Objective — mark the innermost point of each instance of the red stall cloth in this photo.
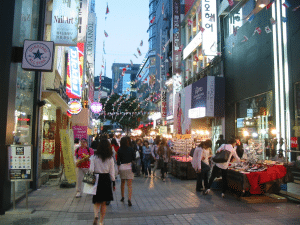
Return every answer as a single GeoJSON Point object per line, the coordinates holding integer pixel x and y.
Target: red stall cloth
{"type": "Point", "coordinates": [272, 173]}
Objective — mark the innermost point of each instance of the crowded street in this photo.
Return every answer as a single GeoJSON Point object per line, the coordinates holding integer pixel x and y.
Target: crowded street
{"type": "Point", "coordinates": [154, 202]}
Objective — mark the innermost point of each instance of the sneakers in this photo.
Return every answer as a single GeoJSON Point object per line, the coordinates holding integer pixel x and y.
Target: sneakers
{"type": "Point", "coordinates": [223, 195]}
{"type": "Point", "coordinates": [78, 195]}
{"type": "Point", "coordinates": [207, 192]}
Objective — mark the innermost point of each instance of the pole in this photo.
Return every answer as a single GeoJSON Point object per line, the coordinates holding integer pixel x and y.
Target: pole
{"type": "Point", "coordinates": [14, 195]}
{"type": "Point", "coordinates": [27, 194]}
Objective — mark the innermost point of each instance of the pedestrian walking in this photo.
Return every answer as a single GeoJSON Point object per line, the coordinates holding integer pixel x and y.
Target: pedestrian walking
{"type": "Point", "coordinates": [102, 163]}
{"type": "Point", "coordinates": [82, 156]}
{"type": "Point", "coordinates": [223, 166]}
{"type": "Point", "coordinates": [140, 149]}
{"type": "Point", "coordinates": [115, 146]}
{"type": "Point", "coordinates": [154, 152]}
{"type": "Point", "coordinates": [126, 156]}
{"type": "Point", "coordinates": [147, 158]}
{"type": "Point", "coordinates": [164, 153]}
{"type": "Point", "coordinates": [200, 163]}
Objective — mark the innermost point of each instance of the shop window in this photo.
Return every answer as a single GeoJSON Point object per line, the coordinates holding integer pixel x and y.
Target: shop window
{"type": "Point", "coordinates": [255, 118]}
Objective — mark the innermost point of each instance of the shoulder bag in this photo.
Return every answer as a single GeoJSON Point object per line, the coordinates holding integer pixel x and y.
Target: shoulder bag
{"type": "Point", "coordinates": [221, 156]}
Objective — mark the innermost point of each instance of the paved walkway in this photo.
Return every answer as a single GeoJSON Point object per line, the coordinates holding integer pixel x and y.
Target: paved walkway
{"type": "Point", "coordinates": [154, 202]}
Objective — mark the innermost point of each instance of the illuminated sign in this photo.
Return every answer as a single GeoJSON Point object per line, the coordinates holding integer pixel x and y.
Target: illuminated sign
{"type": "Point", "coordinates": [164, 104]}
{"type": "Point", "coordinates": [96, 107]}
{"type": "Point", "coordinates": [24, 119]}
{"type": "Point", "coordinates": [197, 112]}
{"type": "Point", "coordinates": [73, 72]}
{"type": "Point", "coordinates": [192, 45]}
{"type": "Point", "coordinates": [209, 21]}
{"type": "Point", "coordinates": [64, 27]}
{"type": "Point", "coordinates": [75, 107]}
{"type": "Point", "coordinates": [176, 58]}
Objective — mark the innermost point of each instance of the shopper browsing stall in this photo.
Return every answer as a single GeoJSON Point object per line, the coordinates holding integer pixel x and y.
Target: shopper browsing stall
{"type": "Point", "coordinates": [223, 166]}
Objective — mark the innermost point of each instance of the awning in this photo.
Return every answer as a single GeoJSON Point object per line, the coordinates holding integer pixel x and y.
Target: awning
{"type": "Point", "coordinates": [55, 99]}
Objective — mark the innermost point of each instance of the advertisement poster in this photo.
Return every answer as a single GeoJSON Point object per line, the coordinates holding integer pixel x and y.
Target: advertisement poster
{"type": "Point", "coordinates": [80, 132]}
{"type": "Point", "coordinates": [64, 27]}
{"type": "Point", "coordinates": [20, 162]}
{"type": "Point", "coordinates": [49, 128]}
{"type": "Point", "coordinates": [69, 164]}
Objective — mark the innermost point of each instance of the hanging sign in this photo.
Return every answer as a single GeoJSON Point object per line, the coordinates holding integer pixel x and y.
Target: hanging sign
{"type": "Point", "coordinates": [96, 107]}
{"type": "Point", "coordinates": [20, 162]}
{"type": "Point", "coordinates": [38, 55]}
{"type": "Point", "coordinates": [75, 107]}
{"type": "Point", "coordinates": [73, 74]}
{"type": "Point", "coordinates": [294, 142]}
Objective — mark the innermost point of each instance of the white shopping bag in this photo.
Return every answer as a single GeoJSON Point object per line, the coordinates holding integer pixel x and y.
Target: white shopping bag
{"type": "Point", "coordinates": [90, 188]}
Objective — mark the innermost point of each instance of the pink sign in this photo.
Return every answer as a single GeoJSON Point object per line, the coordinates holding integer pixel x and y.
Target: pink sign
{"type": "Point", "coordinates": [80, 132]}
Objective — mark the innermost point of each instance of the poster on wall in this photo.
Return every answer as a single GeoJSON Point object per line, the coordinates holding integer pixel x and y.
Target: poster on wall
{"type": "Point", "coordinates": [49, 128]}
{"type": "Point", "coordinates": [64, 27]}
{"type": "Point", "coordinates": [20, 162]}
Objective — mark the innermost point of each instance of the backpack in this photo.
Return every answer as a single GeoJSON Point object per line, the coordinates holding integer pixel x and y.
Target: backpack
{"type": "Point", "coordinates": [76, 151]}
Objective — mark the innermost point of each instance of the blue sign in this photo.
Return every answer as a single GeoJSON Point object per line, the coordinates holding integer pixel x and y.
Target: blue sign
{"type": "Point", "coordinates": [74, 71]}
{"type": "Point", "coordinates": [199, 93]}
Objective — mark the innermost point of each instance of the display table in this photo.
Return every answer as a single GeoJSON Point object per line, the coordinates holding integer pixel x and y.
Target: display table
{"type": "Point", "coordinates": [181, 167]}
{"type": "Point", "coordinates": [267, 181]}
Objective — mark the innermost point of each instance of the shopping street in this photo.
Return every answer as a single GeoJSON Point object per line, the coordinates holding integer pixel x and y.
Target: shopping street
{"type": "Point", "coordinates": [154, 202]}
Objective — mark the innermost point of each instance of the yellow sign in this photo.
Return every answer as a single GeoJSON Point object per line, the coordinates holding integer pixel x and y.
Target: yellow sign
{"type": "Point", "coordinates": [163, 130]}
{"type": "Point", "coordinates": [183, 136]}
{"type": "Point", "coordinates": [69, 164]}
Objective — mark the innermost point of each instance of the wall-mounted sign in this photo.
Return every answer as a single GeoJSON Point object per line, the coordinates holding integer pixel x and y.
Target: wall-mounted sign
{"type": "Point", "coordinates": [91, 43]}
{"type": "Point", "coordinates": [73, 74]}
{"type": "Point", "coordinates": [96, 107]}
{"type": "Point", "coordinates": [75, 107]}
{"type": "Point", "coordinates": [163, 129]}
{"type": "Point", "coordinates": [209, 21]}
{"type": "Point", "coordinates": [192, 45]}
{"type": "Point", "coordinates": [20, 162]}
{"type": "Point", "coordinates": [64, 27]}
{"type": "Point", "coordinates": [197, 112]}
{"type": "Point", "coordinates": [38, 55]}
{"type": "Point", "coordinates": [176, 58]}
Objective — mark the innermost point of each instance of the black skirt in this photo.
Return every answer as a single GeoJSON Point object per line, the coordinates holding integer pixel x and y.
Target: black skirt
{"type": "Point", "coordinates": [104, 189]}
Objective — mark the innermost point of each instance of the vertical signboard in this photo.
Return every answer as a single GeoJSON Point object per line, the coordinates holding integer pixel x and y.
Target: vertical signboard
{"type": "Point", "coordinates": [176, 38]}
{"type": "Point", "coordinates": [20, 162]}
{"type": "Point", "coordinates": [64, 27]}
{"type": "Point", "coordinates": [209, 21]}
{"type": "Point", "coordinates": [82, 20]}
{"type": "Point", "coordinates": [90, 43]}
{"type": "Point", "coordinates": [73, 72]}
{"type": "Point", "coordinates": [26, 20]}
{"type": "Point", "coordinates": [164, 104]}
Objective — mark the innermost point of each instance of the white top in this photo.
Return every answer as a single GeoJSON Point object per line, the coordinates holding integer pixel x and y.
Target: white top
{"type": "Point", "coordinates": [227, 147]}
{"type": "Point", "coordinates": [98, 166]}
{"type": "Point", "coordinates": [205, 155]}
{"type": "Point", "coordinates": [196, 161]}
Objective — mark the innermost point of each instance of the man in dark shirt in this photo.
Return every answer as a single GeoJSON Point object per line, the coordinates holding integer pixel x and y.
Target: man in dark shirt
{"type": "Point", "coordinates": [220, 141]}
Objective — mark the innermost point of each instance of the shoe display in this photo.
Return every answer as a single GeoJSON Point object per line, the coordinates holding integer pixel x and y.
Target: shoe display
{"type": "Point", "coordinates": [122, 199]}
{"type": "Point", "coordinates": [129, 203]}
{"type": "Point", "coordinates": [78, 195]}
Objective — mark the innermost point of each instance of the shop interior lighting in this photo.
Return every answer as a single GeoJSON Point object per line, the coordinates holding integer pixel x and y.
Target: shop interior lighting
{"type": "Point", "coordinates": [273, 131]}
{"type": "Point", "coordinates": [245, 133]}
{"type": "Point", "coordinates": [194, 63]}
{"type": "Point", "coordinates": [48, 105]}
{"type": "Point", "coordinates": [207, 132]}
{"type": "Point", "coordinates": [254, 135]}
{"type": "Point", "coordinates": [263, 131]}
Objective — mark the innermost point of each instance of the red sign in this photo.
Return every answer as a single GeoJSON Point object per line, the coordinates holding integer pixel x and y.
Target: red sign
{"type": "Point", "coordinates": [294, 142]}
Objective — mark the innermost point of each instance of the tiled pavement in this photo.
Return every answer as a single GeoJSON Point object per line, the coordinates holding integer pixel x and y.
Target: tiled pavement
{"type": "Point", "coordinates": [154, 202]}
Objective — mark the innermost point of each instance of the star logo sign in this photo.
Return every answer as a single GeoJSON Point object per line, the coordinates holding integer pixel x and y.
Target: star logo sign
{"type": "Point", "coordinates": [38, 54]}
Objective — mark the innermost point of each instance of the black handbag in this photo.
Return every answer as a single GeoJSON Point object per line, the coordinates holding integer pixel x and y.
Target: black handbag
{"type": "Point", "coordinates": [89, 178]}
{"type": "Point", "coordinates": [221, 156]}
{"type": "Point", "coordinates": [133, 167]}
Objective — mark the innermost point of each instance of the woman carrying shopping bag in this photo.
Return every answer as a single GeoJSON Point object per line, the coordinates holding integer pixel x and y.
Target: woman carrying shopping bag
{"type": "Point", "coordinates": [102, 163]}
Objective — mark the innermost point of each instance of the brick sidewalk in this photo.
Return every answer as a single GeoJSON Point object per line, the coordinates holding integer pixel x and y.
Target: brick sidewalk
{"type": "Point", "coordinates": [154, 202]}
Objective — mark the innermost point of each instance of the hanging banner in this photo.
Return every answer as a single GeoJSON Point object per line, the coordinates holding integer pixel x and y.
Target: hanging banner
{"type": "Point", "coordinates": [176, 64]}
{"type": "Point", "coordinates": [164, 104]}
{"type": "Point", "coordinates": [90, 43]}
{"type": "Point", "coordinates": [73, 74]}
{"type": "Point", "coordinates": [69, 164]}
{"type": "Point", "coordinates": [64, 27]}
{"type": "Point", "coordinates": [209, 21]}
{"type": "Point", "coordinates": [82, 20]}
{"type": "Point", "coordinates": [80, 132]}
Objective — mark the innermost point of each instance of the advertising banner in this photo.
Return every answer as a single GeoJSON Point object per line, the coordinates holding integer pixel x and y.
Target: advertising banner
{"type": "Point", "coordinates": [176, 58]}
{"type": "Point", "coordinates": [80, 132]}
{"type": "Point", "coordinates": [82, 20]}
{"type": "Point", "coordinates": [199, 93]}
{"type": "Point", "coordinates": [69, 164]}
{"type": "Point", "coordinates": [64, 27]}
{"type": "Point", "coordinates": [186, 105]}
{"type": "Point", "coordinates": [20, 162]}
{"type": "Point", "coordinates": [209, 21]}
{"type": "Point", "coordinates": [91, 43]}
{"type": "Point", "coordinates": [73, 74]}
{"type": "Point", "coordinates": [178, 114]}
{"type": "Point", "coordinates": [164, 104]}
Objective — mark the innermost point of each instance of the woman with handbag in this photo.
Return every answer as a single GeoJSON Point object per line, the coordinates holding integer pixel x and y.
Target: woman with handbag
{"type": "Point", "coordinates": [102, 163]}
{"type": "Point", "coordinates": [147, 158]}
{"type": "Point", "coordinates": [230, 147]}
{"type": "Point", "coordinates": [126, 156]}
{"type": "Point", "coordinates": [164, 153]}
